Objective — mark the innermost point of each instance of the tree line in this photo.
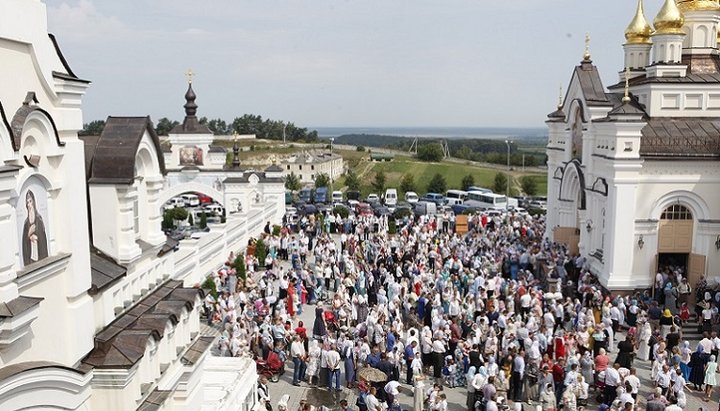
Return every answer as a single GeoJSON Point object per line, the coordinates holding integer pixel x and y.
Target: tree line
{"type": "Point", "coordinates": [246, 124]}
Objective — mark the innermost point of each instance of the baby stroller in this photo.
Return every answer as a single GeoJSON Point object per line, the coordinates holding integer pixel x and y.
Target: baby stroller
{"type": "Point", "coordinates": [272, 367]}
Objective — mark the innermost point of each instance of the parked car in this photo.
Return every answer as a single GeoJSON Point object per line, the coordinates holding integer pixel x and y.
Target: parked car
{"type": "Point", "coordinates": [214, 208]}
{"type": "Point", "coordinates": [425, 208]}
{"type": "Point", "coordinates": [204, 199]}
{"type": "Point", "coordinates": [337, 196]}
{"type": "Point", "coordinates": [307, 209]}
{"type": "Point", "coordinates": [363, 210]}
{"type": "Point", "coordinates": [436, 198]}
{"type": "Point", "coordinates": [191, 200]}
{"type": "Point", "coordinates": [352, 195]}
{"type": "Point", "coordinates": [391, 197]}
{"type": "Point", "coordinates": [372, 198]}
{"type": "Point", "coordinates": [175, 202]}
{"type": "Point", "coordinates": [402, 210]}
{"type": "Point", "coordinates": [382, 211]}
{"type": "Point", "coordinates": [411, 197]}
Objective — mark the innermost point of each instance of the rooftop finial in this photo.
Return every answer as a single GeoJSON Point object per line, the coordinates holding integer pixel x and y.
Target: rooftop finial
{"type": "Point", "coordinates": [626, 97]}
{"type": "Point", "coordinates": [586, 55]}
{"type": "Point", "coordinates": [189, 74]}
{"type": "Point", "coordinates": [236, 152]}
{"type": "Point", "coordinates": [560, 98]}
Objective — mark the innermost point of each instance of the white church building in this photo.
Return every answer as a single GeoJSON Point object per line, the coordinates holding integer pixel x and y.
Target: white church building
{"type": "Point", "coordinates": [99, 310]}
{"type": "Point", "coordinates": [633, 170]}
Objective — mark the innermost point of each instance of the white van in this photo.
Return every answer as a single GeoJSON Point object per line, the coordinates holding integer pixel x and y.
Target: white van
{"type": "Point", "coordinates": [191, 200]}
{"type": "Point", "coordinates": [425, 208]}
{"type": "Point", "coordinates": [175, 202]}
{"type": "Point", "coordinates": [337, 196]}
{"type": "Point", "coordinates": [411, 197]}
{"type": "Point", "coordinates": [391, 198]}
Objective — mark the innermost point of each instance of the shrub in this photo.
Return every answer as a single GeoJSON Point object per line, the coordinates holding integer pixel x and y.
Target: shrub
{"type": "Point", "coordinates": [203, 220]}
{"type": "Point", "coordinates": [209, 285]}
{"type": "Point", "coordinates": [240, 267]}
{"type": "Point", "coordinates": [342, 211]}
{"type": "Point", "coordinates": [260, 251]}
{"type": "Point", "coordinates": [276, 230]}
{"type": "Point", "coordinates": [392, 227]}
{"type": "Point", "coordinates": [359, 148]}
{"type": "Point", "coordinates": [190, 220]}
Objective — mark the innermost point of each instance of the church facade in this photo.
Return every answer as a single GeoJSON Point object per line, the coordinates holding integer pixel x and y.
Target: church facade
{"type": "Point", "coordinates": [99, 309]}
{"type": "Point", "coordinates": [633, 169]}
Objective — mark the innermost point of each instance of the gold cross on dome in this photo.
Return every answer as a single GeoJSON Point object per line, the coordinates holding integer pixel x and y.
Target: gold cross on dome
{"type": "Point", "coordinates": [189, 74]}
{"type": "Point", "coordinates": [586, 56]}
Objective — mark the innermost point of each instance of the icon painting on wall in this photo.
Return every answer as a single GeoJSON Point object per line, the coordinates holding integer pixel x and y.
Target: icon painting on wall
{"type": "Point", "coordinates": [191, 156]}
{"type": "Point", "coordinates": [32, 217]}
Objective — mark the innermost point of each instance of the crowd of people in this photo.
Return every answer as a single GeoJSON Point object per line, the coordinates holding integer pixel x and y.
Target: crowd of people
{"type": "Point", "coordinates": [498, 311]}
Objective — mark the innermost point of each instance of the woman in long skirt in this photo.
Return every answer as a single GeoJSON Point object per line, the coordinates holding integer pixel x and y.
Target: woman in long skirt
{"type": "Point", "coordinates": [697, 367]}
{"type": "Point", "coordinates": [685, 353]}
{"type": "Point", "coordinates": [350, 363]}
{"type": "Point", "coordinates": [644, 337]}
{"type": "Point", "coordinates": [710, 380]}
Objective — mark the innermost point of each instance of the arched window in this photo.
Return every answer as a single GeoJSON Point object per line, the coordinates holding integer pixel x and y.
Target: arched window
{"type": "Point", "coordinates": [676, 212]}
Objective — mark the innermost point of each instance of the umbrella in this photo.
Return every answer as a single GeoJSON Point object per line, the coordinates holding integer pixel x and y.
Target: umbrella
{"type": "Point", "coordinates": [372, 374]}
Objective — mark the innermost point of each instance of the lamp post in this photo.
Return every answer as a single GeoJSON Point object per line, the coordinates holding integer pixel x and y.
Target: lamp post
{"type": "Point", "coordinates": [507, 192]}
{"type": "Point", "coordinates": [284, 126]}
{"type": "Point", "coordinates": [332, 165]}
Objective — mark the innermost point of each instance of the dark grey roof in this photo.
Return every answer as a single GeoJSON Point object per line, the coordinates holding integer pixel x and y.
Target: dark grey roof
{"type": "Point", "coordinates": [591, 85]}
{"type": "Point", "coordinates": [274, 169]}
{"type": "Point", "coordinates": [681, 138]}
{"type": "Point", "coordinates": [196, 350]}
{"type": "Point", "coordinates": [154, 401]}
{"type": "Point", "coordinates": [556, 116]}
{"type": "Point", "coordinates": [29, 106]}
{"type": "Point", "coordinates": [18, 306]}
{"type": "Point", "coordinates": [217, 149]}
{"type": "Point", "coordinates": [169, 245]}
{"type": "Point", "coordinates": [114, 158]}
{"type": "Point", "coordinates": [90, 145]}
{"type": "Point", "coordinates": [103, 272]}
{"type": "Point", "coordinates": [245, 178]}
{"type": "Point", "coordinates": [700, 79]}
{"type": "Point", "coordinates": [122, 343]}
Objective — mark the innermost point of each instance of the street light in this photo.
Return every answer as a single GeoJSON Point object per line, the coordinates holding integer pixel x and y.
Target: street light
{"type": "Point", "coordinates": [284, 126]}
{"type": "Point", "coordinates": [507, 192]}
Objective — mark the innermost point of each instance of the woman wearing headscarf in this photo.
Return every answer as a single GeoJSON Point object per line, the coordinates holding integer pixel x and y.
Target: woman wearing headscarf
{"type": "Point", "coordinates": [587, 366]}
{"type": "Point", "coordinates": [319, 328]}
{"type": "Point", "coordinates": [470, 401]}
{"type": "Point", "coordinates": [644, 339]}
{"type": "Point", "coordinates": [313, 362]}
{"type": "Point", "coordinates": [547, 398]}
{"type": "Point", "coordinates": [698, 360]}
{"type": "Point", "coordinates": [710, 380]}
{"type": "Point", "coordinates": [632, 313]}
{"type": "Point", "coordinates": [685, 353]}
{"type": "Point", "coordinates": [671, 295]}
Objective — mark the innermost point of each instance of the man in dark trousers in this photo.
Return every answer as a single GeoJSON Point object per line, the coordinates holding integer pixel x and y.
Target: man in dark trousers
{"type": "Point", "coordinates": [409, 357]}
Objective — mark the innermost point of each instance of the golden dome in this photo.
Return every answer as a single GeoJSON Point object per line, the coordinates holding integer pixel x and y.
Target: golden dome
{"type": "Point", "coordinates": [669, 19]}
{"type": "Point", "coordinates": [639, 30]}
{"type": "Point", "coordinates": [695, 5]}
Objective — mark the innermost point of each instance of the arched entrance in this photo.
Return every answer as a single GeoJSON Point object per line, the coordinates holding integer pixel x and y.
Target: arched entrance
{"type": "Point", "coordinates": [675, 240]}
{"type": "Point", "coordinates": [571, 202]}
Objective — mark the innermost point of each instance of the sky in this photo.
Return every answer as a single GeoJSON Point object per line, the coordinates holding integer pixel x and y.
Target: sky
{"type": "Point", "coordinates": [341, 63]}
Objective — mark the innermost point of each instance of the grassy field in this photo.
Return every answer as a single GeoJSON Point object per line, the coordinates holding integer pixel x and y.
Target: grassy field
{"type": "Point", "coordinates": [423, 172]}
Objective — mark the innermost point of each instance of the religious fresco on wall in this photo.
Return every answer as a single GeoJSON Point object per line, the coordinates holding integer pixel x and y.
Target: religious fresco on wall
{"type": "Point", "coordinates": [32, 218]}
{"type": "Point", "coordinates": [191, 156]}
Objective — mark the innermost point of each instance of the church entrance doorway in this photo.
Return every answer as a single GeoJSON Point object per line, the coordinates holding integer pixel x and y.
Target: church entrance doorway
{"type": "Point", "coordinates": [675, 237]}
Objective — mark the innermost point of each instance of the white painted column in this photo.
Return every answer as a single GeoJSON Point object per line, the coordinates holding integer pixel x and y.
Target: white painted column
{"type": "Point", "coordinates": [155, 236]}
{"type": "Point", "coordinates": [8, 241]}
{"type": "Point", "coordinates": [619, 241]}
{"type": "Point", "coordinates": [128, 248]}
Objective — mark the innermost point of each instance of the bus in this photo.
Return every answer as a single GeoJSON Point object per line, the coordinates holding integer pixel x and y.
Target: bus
{"type": "Point", "coordinates": [479, 199]}
{"type": "Point", "coordinates": [480, 189]}
{"type": "Point", "coordinates": [453, 197]}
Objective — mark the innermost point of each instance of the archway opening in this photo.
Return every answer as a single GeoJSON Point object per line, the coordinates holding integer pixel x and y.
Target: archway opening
{"type": "Point", "coordinates": [188, 214]}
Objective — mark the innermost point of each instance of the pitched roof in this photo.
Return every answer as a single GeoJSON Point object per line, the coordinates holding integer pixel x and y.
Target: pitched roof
{"type": "Point", "coordinates": [122, 343]}
{"type": "Point", "coordinates": [103, 271]}
{"type": "Point", "coordinates": [18, 306]}
{"type": "Point", "coordinates": [681, 138]}
{"type": "Point", "coordinates": [115, 151]}
{"type": "Point", "coordinates": [592, 88]}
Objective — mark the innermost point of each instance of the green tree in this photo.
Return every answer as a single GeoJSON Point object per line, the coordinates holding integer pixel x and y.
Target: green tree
{"type": "Point", "coordinates": [529, 186]}
{"type": "Point", "coordinates": [164, 125]}
{"type": "Point", "coordinates": [218, 126]}
{"type": "Point", "coordinates": [437, 184]}
{"type": "Point", "coordinates": [359, 148]}
{"type": "Point", "coordinates": [93, 128]}
{"type": "Point", "coordinates": [467, 182]}
{"type": "Point", "coordinates": [407, 183]}
{"type": "Point", "coordinates": [167, 221]}
{"type": "Point", "coordinates": [179, 214]}
{"type": "Point", "coordinates": [240, 267]}
{"type": "Point", "coordinates": [203, 220]}
{"type": "Point", "coordinates": [190, 220]}
{"type": "Point", "coordinates": [352, 181]}
{"type": "Point", "coordinates": [379, 183]}
{"type": "Point", "coordinates": [292, 182]}
{"type": "Point", "coordinates": [500, 183]}
{"type": "Point", "coordinates": [430, 152]}
{"type": "Point", "coordinates": [322, 180]}
{"type": "Point", "coordinates": [260, 251]}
